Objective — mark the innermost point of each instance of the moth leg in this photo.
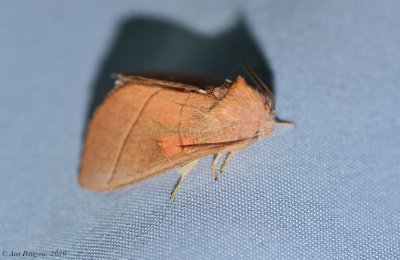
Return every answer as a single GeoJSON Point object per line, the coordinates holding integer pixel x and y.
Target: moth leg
{"type": "Point", "coordinates": [184, 170]}
{"type": "Point", "coordinates": [227, 158]}
{"type": "Point", "coordinates": [214, 164]}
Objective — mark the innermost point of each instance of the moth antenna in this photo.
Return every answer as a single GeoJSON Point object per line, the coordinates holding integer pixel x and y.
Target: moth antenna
{"type": "Point", "coordinates": [259, 83]}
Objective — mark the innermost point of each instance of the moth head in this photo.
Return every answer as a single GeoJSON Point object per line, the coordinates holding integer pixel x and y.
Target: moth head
{"type": "Point", "coordinates": [267, 123]}
{"type": "Point", "coordinates": [266, 126]}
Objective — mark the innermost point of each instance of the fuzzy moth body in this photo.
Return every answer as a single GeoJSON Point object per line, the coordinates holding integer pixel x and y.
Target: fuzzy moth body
{"type": "Point", "coordinates": [147, 126]}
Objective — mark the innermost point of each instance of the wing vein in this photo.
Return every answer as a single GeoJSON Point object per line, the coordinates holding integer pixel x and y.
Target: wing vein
{"type": "Point", "coordinates": [180, 121]}
{"type": "Point", "coordinates": [127, 136]}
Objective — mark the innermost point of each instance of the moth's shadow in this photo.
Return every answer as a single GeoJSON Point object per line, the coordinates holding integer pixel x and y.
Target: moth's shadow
{"type": "Point", "coordinates": [146, 44]}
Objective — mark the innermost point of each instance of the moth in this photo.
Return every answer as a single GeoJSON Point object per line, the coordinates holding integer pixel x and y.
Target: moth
{"type": "Point", "coordinates": [147, 126]}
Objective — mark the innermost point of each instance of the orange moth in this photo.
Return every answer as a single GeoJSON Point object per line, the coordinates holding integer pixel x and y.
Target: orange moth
{"type": "Point", "coordinates": [147, 126]}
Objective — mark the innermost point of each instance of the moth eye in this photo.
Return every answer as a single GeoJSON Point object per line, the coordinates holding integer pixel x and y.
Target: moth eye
{"type": "Point", "coordinates": [272, 115]}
